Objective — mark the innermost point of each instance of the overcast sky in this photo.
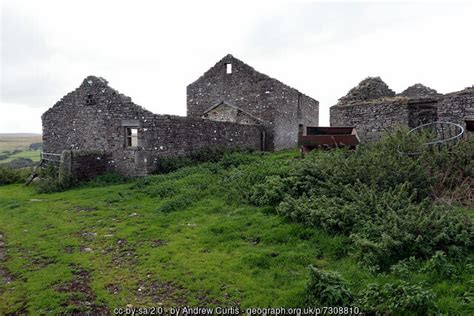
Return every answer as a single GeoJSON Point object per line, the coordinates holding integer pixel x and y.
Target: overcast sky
{"type": "Point", "coordinates": [150, 50]}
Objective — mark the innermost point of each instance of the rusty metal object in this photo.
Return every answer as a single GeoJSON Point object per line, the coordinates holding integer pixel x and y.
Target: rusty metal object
{"type": "Point", "coordinates": [328, 137]}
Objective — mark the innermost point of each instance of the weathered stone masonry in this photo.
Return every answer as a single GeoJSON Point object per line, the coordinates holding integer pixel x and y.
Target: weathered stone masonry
{"type": "Point", "coordinates": [373, 119]}
{"type": "Point", "coordinates": [373, 109]}
{"type": "Point", "coordinates": [457, 107]}
{"type": "Point", "coordinates": [97, 118]}
{"type": "Point", "coordinates": [280, 108]}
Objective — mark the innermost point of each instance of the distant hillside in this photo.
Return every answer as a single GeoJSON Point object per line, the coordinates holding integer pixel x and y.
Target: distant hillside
{"type": "Point", "coordinates": [12, 141]}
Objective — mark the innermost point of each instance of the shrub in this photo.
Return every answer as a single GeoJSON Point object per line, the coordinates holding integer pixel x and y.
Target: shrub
{"type": "Point", "coordinates": [53, 184]}
{"type": "Point", "coordinates": [271, 191]}
{"type": "Point", "coordinates": [161, 190]}
{"type": "Point", "coordinates": [399, 298]}
{"type": "Point", "coordinates": [228, 157]}
{"type": "Point", "coordinates": [451, 172]}
{"type": "Point", "coordinates": [405, 267]}
{"type": "Point", "coordinates": [49, 181]}
{"type": "Point", "coordinates": [243, 181]}
{"type": "Point", "coordinates": [10, 176]}
{"type": "Point", "coordinates": [326, 288]}
{"type": "Point", "coordinates": [176, 204]}
{"type": "Point", "coordinates": [36, 146]}
{"type": "Point", "coordinates": [21, 163]}
{"type": "Point", "coordinates": [382, 199]}
{"type": "Point", "coordinates": [107, 179]}
{"type": "Point", "coordinates": [439, 266]}
{"type": "Point", "coordinates": [416, 230]}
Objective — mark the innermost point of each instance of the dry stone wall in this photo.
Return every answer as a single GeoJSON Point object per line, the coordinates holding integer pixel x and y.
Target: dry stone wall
{"type": "Point", "coordinates": [458, 106]}
{"type": "Point", "coordinates": [373, 109]}
{"type": "Point", "coordinates": [83, 164]}
{"type": "Point", "coordinates": [371, 119]}
{"type": "Point", "coordinates": [168, 135]}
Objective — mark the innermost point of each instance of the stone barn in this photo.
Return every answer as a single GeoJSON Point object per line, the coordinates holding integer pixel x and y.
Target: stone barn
{"type": "Point", "coordinates": [233, 91]}
{"type": "Point", "coordinates": [95, 128]}
{"type": "Point", "coordinates": [374, 109]}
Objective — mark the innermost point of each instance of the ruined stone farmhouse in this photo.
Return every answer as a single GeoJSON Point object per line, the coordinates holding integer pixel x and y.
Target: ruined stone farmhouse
{"type": "Point", "coordinates": [96, 129]}
{"type": "Point", "coordinates": [374, 109]}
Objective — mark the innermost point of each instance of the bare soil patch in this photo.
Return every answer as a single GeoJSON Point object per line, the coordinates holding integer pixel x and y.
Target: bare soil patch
{"type": "Point", "coordinates": [81, 297]}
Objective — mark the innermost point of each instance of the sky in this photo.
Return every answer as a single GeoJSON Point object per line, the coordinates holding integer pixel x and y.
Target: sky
{"type": "Point", "coordinates": [151, 50]}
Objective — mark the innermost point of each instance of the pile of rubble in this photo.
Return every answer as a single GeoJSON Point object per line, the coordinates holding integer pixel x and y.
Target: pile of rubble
{"type": "Point", "coordinates": [370, 88]}
{"type": "Point", "coordinates": [419, 91]}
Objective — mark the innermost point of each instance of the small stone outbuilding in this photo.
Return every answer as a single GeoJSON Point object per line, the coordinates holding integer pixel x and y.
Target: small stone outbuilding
{"type": "Point", "coordinates": [374, 109]}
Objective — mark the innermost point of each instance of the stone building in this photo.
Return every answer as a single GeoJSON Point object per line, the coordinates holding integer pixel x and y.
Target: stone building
{"type": "Point", "coordinates": [230, 106]}
{"type": "Point", "coordinates": [233, 91]}
{"type": "Point", "coordinates": [374, 109]}
{"type": "Point", "coordinates": [458, 107]}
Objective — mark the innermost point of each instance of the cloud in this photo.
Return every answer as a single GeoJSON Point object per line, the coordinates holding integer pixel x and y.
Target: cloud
{"type": "Point", "coordinates": [151, 50]}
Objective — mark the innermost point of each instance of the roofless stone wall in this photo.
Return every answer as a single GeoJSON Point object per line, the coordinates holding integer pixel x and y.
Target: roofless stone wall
{"type": "Point", "coordinates": [95, 117]}
{"type": "Point", "coordinates": [170, 135]}
{"type": "Point", "coordinates": [457, 107]}
{"type": "Point", "coordinates": [373, 109]}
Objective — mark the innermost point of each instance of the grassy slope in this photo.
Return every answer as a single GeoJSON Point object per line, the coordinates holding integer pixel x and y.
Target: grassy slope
{"type": "Point", "coordinates": [212, 249]}
{"type": "Point", "coordinates": [18, 141]}
{"type": "Point", "coordinates": [32, 154]}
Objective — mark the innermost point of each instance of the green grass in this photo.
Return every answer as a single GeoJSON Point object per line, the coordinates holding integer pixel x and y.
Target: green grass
{"type": "Point", "coordinates": [32, 154]}
{"type": "Point", "coordinates": [140, 244]}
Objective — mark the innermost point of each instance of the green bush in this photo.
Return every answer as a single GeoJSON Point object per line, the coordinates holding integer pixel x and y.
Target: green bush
{"type": "Point", "coordinates": [417, 230]}
{"type": "Point", "coordinates": [451, 172]}
{"type": "Point", "coordinates": [227, 157]}
{"type": "Point", "coordinates": [10, 176]}
{"type": "Point", "coordinates": [54, 184]}
{"type": "Point", "coordinates": [396, 298]}
{"type": "Point", "coordinates": [49, 181]}
{"type": "Point", "coordinates": [439, 266]}
{"type": "Point", "coordinates": [21, 162]}
{"type": "Point", "coordinates": [176, 204]}
{"type": "Point", "coordinates": [382, 199]}
{"type": "Point", "coordinates": [326, 288]}
{"type": "Point", "coordinates": [107, 179]}
{"type": "Point", "coordinates": [248, 180]}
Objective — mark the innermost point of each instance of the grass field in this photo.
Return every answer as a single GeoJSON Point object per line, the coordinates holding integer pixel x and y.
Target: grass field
{"type": "Point", "coordinates": [19, 141]}
{"type": "Point", "coordinates": [32, 154]}
{"type": "Point", "coordinates": [167, 240]}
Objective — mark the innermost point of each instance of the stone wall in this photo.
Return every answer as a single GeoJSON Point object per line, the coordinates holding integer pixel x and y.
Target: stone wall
{"type": "Point", "coordinates": [281, 108]}
{"type": "Point", "coordinates": [95, 117]}
{"type": "Point", "coordinates": [372, 119]}
{"type": "Point", "coordinates": [83, 164]}
{"type": "Point", "coordinates": [169, 135]}
{"type": "Point", "coordinates": [458, 106]}
{"type": "Point", "coordinates": [374, 109]}
{"type": "Point", "coordinates": [89, 117]}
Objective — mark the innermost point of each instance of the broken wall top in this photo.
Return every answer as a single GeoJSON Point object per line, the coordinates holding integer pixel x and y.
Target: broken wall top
{"type": "Point", "coordinates": [419, 91]}
{"type": "Point", "coordinates": [371, 88]}
{"type": "Point", "coordinates": [95, 92]}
